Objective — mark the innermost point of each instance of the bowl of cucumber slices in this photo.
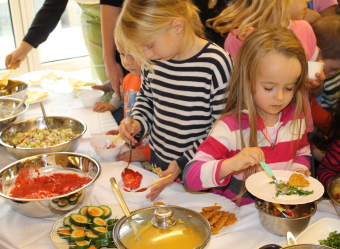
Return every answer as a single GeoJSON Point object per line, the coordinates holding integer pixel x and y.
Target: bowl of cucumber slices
{"type": "Point", "coordinates": [48, 184]}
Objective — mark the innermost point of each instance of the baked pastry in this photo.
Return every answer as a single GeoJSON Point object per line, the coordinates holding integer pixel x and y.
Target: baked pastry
{"type": "Point", "coordinates": [298, 180]}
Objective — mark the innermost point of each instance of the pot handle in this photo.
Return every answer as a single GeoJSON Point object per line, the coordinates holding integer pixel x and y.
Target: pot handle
{"type": "Point", "coordinates": [271, 246]}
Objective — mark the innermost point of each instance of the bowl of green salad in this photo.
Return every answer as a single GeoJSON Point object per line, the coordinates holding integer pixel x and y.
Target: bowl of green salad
{"type": "Point", "coordinates": [34, 136]}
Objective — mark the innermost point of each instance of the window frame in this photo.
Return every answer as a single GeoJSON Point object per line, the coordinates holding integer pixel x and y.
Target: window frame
{"type": "Point", "coordinates": [22, 15]}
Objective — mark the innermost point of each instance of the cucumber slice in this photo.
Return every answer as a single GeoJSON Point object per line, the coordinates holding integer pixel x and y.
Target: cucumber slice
{"type": "Point", "coordinates": [82, 244]}
{"type": "Point", "coordinates": [111, 221]}
{"type": "Point", "coordinates": [110, 227]}
{"type": "Point", "coordinates": [67, 221]}
{"type": "Point", "coordinates": [78, 235]}
{"type": "Point", "coordinates": [106, 235]}
{"type": "Point", "coordinates": [78, 220]}
{"type": "Point", "coordinates": [83, 210]}
{"type": "Point", "coordinates": [98, 222]}
{"type": "Point", "coordinates": [102, 242]}
{"type": "Point", "coordinates": [98, 230]}
{"type": "Point", "coordinates": [93, 212]}
{"type": "Point", "coordinates": [63, 202]}
{"type": "Point", "coordinates": [91, 236]}
{"type": "Point", "coordinates": [64, 232]}
{"type": "Point", "coordinates": [56, 200]}
{"type": "Point", "coordinates": [107, 211]}
{"type": "Point", "coordinates": [74, 227]}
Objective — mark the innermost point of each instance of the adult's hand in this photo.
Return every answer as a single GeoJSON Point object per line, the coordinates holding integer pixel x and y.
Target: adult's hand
{"type": "Point", "coordinates": [115, 75]}
{"type": "Point", "coordinates": [18, 55]}
{"type": "Point", "coordinates": [173, 169]}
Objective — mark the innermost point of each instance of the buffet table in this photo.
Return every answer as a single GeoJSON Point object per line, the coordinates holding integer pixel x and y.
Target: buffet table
{"type": "Point", "coordinates": [19, 231]}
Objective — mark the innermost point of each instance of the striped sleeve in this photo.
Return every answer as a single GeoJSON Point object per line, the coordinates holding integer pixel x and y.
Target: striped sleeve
{"type": "Point", "coordinates": [330, 164]}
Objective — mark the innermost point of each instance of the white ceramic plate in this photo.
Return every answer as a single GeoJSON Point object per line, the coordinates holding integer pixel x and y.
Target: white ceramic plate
{"type": "Point", "coordinates": [36, 95]}
{"type": "Point", "coordinates": [318, 231]}
{"type": "Point", "coordinates": [197, 201]}
{"type": "Point", "coordinates": [259, 185]}
{"type": "Point", "coordinates": [35, 78]}
{"type": "Point", "coordinates": [117, 213]}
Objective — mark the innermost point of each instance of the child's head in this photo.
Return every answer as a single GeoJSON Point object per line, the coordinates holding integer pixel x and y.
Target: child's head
{"type": "Point", "coordinates": [246, 14]}
{"type": "Point", "coordinates": [127, 60]}
{"type": "Point", "coordinates": [298, 10]}
{"type": "Point", "coordinates": [269, 73]}
{"type": "Point", "coordinates": [142, 24]}
{"type": "Point", "coordinates": [327, 32]}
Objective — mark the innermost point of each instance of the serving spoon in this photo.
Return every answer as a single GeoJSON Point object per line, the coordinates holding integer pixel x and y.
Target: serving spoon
{"type": "Point", "coordinates": [4, 80]}
{"type": "Point", "coordinates": [45, 117]}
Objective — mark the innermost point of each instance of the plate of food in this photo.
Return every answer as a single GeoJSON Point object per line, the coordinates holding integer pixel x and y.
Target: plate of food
{"type": "Point", "coordinates": [322, 232]}
{"type": "Point", "coordinates": [37, 77]}
{"type": "Point", "coordinates": [36, 95]}
{"type": "Point", "coordinates": [61, 230]}
{"type": "Point", "coordinates": [262, 186]}
{"type": "Point", "coordinates": [221, 212]}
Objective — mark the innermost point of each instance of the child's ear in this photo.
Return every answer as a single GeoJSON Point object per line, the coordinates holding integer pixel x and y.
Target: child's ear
{"type": "Point", "coordinates": [177, 25]}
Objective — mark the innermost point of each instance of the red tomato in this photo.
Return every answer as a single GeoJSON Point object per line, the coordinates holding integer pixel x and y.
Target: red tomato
{"type": "Point", "coordinates": [131, 179]}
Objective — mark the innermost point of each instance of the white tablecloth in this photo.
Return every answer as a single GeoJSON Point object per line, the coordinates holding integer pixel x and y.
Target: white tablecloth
{"type": "Point", "coordinates": [18, 231]}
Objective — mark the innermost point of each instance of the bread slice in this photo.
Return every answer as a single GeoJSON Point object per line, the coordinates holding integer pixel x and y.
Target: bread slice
{"type": "Point", "coordinates": [298, 180]}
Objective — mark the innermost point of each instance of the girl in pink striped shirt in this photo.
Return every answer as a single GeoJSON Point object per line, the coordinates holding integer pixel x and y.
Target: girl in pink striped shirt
{"type": "Point", "coordinates": [263, 119]}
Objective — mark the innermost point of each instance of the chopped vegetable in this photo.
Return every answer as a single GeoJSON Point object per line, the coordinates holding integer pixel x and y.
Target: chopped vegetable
{"type": "Point", "coordinates": [286, 189]}
{"type": "Point", "coordinates": [333, 240]}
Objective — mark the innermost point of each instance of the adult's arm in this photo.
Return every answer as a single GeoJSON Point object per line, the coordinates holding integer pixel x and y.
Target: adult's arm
{"type": "Point", "coordinates": [109, 14]}
{"type": "Point", "coordinates": [45, 21]}
{"type": "Point", "coordinates": [43, 24]}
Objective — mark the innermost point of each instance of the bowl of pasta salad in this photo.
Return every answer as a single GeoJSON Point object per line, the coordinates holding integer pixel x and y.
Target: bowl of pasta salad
{"type": "Point", "coordinates": [33, 137]}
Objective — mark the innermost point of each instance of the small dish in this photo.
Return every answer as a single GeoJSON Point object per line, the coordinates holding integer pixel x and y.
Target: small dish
{"type": "Point", "coordinates": [318, 231]}
{"type": "Point", "coordinates": [100, 144]}
{"type": "Point", "coordinates": [136, 197]}
{"type": "Point", "coordinates": [90, 97]}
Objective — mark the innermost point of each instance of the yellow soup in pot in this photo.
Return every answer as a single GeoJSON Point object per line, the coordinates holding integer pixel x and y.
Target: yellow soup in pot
{"type": "Point", "coordinates": [181, 236]}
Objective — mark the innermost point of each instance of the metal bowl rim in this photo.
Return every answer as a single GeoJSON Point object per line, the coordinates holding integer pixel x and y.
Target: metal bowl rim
{"type": "Point", "coordinates": [16, 100]}
{"type": "Point", "coordinates": [329, 190]}
{"type": "Point", "coordinates": [32, 119]}
{"type": "Point", "coordinates": [284, 218]}
{"type": "Point", "coordinates": [47, 154]}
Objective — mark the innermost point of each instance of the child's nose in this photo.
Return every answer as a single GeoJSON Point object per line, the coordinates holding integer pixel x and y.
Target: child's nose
{"type": "Point", "coordinates": [279, 95]}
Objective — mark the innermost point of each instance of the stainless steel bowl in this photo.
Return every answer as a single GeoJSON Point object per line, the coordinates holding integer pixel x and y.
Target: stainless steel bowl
{"type": "Point", "coordinates": [10, 104]}
{"type": "Point", "coordinates": [333, 189]}
{"type": "Point", "coordinates": [15, 89]}
{"type": "Point", "coordinates": [66, 162]}
{"type": "Point", "coordinates": [281, 225]}
{"type": "Point", "coordinates": [54, 122]}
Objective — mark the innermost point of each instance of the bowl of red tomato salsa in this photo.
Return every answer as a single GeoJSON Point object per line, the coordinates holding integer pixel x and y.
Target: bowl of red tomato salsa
{"type": "Point", "coordinates": [48, 184]}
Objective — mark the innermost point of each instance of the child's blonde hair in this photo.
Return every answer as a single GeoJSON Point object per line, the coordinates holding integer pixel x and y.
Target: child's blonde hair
{"type": "Point", "coordinates": [244, 14]}
{"type": "Point", "coordinates": [142, 21]}
{"type": "Point", "coordinates": [242, 84]}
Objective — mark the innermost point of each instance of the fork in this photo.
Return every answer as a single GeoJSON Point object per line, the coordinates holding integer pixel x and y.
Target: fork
{"type": "Point", "coordinates": [278, 185]}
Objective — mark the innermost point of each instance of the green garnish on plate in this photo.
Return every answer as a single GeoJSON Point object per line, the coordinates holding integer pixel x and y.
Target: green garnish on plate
{"type": "Point", "coordinates": [333, 240]}
{"type": "Point", "coordinates": [286, 189]}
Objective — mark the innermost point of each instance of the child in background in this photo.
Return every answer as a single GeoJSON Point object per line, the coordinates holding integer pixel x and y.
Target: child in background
{"type": "Point", "coordinates": [327, 32]}
{"type": "Point", "coordinates": [263, 121]}
{"type": "Point", "coordinates": [330, 164]}
{"type": "Point", "coordinates": [130, 88]}
{"type": "Point", "coordinates": [244, 16]}
{"type": "Point", "coordinates": [183, 85]}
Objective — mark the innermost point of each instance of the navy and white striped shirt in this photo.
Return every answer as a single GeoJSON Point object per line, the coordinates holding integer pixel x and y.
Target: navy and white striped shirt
{"type": "Point", "coordinates": [179, 102]}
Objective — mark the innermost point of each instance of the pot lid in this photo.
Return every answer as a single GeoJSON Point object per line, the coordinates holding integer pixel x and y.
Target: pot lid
{"type": "Point", "coordinates": [162, 227]}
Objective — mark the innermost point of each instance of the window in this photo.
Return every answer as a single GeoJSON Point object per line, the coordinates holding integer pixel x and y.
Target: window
{"type": "Point", "coordinates": [64, 49]}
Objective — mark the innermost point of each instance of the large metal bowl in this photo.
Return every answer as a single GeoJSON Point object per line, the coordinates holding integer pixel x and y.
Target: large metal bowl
{"type": "Point", "coordinates": [281, 225]}
{"type": "Point", "coordinates": [10, 104]}
{"type": "Point", "coordinates": [39, 123]}
{"type": "Point", "coordinates": [333, 191]}
{"type": "Point", "coordinates": [15, 89]}
{"type": "Point", "coordinates": [69, 162]}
